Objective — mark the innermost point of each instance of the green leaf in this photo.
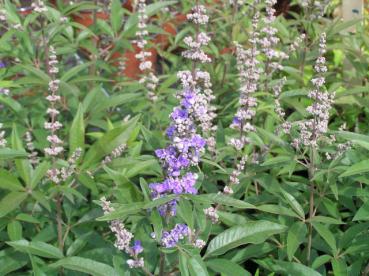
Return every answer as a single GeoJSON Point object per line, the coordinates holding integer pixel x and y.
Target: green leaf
{"type": "Point", "coordinates": [78, 244]}
{"type": "Point", "coordinates": [85, 265]}
{"type": "Point", "coordinates": [14, 230]}
{"type": "Point", "coordinates": [27, 218]}
{"type": "Point", "coordinates": [116, 100]}
{"type": "Point", "coordinates": [321, 260]}
{"type": "Point", "coordinates": [9, 181]}
{"type": "Point", "coordinates": [197, 266]}
{"type": "Point", "coordinates": [220, 199]}
{"type": "Point", "coordinates": [339, 267]}
{"type": "Point", "coordinates": [39, 173]}
{"type": "Point", "coordinates": [10, 102]}
{"type": "Point", "coordinates": [159, 201]}
{"type": "Point", "coordinates": [155, 7]}
{"type": "Point", "coordinates": [116, 15]}
{"type": "Point", "coordinates": [23, 166]}
{"type": "Point", "coordinates": [290, 268]}
{"type": "Point", "coordinates": [252, 232]}
{"type": "Point", "coordinates": [279, 160]}
{"type": "Point", "coordinates": [75, 71]}
{"type": "Point", "coordinates": [77, 131]}
{"type": "Point", "coordinates": [295, 237]}
{"type": "Point", "coordinates": [183, 264]}
{"type": "Point", "coordinates": [111, 140]}
{"type": "Point", "coordinates": [226, 267]}
{"type": "Point", "coordinates": [11, 261]}
{"type": "Point", "coordinates": [36, 72]}
{"type": "Point", "coordinates": [11, 202]}
{"type": "Point", "coordinates": [358, 168]}
{"type": "Point", "coordinates": [291, 200]}
{"type": "Point", "coordinates": [37, 248]}
{"type": "Point", "coordinates": [326, 220]}
{"type": "Point", "coordinates": [363, 212]}
{"type": "Point", "coordinates": [327, 235]}
{"type": "Point", "coordinates": [9, 154]}
{"type": "Point", "coordinates": [35, 268]}
{"type": "Point", "coordinates": [276, 209]}
{"type": "Point", "coordinates": [123, 210]}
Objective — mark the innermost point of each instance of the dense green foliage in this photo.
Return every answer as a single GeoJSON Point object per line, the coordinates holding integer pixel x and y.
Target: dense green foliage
{"type": "Point", "coordinates": [264, 228]}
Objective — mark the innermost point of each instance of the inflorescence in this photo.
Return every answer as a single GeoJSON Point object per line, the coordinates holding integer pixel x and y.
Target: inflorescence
{"type": "Point", "coordinates": [313, 129]}
{"type": "Point", "coordinates": [148, 79]}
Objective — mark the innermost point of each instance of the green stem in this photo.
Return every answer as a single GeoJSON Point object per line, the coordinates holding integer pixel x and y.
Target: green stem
{"type": "Point", "coordinates": [311, 171]}
{"type": "Point", "coordinates": [162, 264]}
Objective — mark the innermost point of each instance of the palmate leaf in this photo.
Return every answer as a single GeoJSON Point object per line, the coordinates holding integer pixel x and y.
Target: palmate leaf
{"type": "Point", "coordinates": [252, 232]}
{"type": "Point", "coordinates": [85, 265]}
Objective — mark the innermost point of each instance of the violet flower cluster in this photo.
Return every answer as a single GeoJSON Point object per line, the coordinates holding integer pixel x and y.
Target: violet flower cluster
{"type": "Point", "coordinates": [186, 145]}
{"type": "Point", "coordinates": [198, 80]}
{"type": "Point", "coordinates": [148, 78]}
{"type": "Point", "coordinates": [183, 152]}
{"type": "Point", "coordinates": [171, 238]}
{"type": "Point", "coordinates": [124, 238]}
{"type": "Point", "coordinates": [313, 129]}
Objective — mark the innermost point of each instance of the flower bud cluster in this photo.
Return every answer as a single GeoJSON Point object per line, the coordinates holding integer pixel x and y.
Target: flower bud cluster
{"type": "Point", "coordinates": [39, 6]}
{"type": "Point", "coordinates": [269, 41]}
{"type": "Point", "coordinates": [3, 17]}
{"type": "Point", "coordinates": [4, 91]}
{"type": "Point", "coordinates": [117, 152]}
{"type": "Point", "coordinates": [249, 74]}
{"type": "Point", "coordinates": [53, 125]}
{"type": "Point", "coordinates": [3, 141]}
{"type": "Point", "coordinates": [124, 238]}
{"type": "Point", "coordinates": [148, 79]}
{"type": "Point", "coordinates": [33, 155]}
{"type": "Point", "coordinates": [211, 213]}
{"type": "Point", "coordinates": [57, 175]}
{"type": "Point", "coordinates": [312, 129]}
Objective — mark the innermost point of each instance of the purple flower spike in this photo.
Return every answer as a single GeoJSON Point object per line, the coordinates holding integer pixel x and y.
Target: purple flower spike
{"type": "Point", "coordinates": [179, 232]}
{"type": "Point", "coordinates": [137, 248]}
